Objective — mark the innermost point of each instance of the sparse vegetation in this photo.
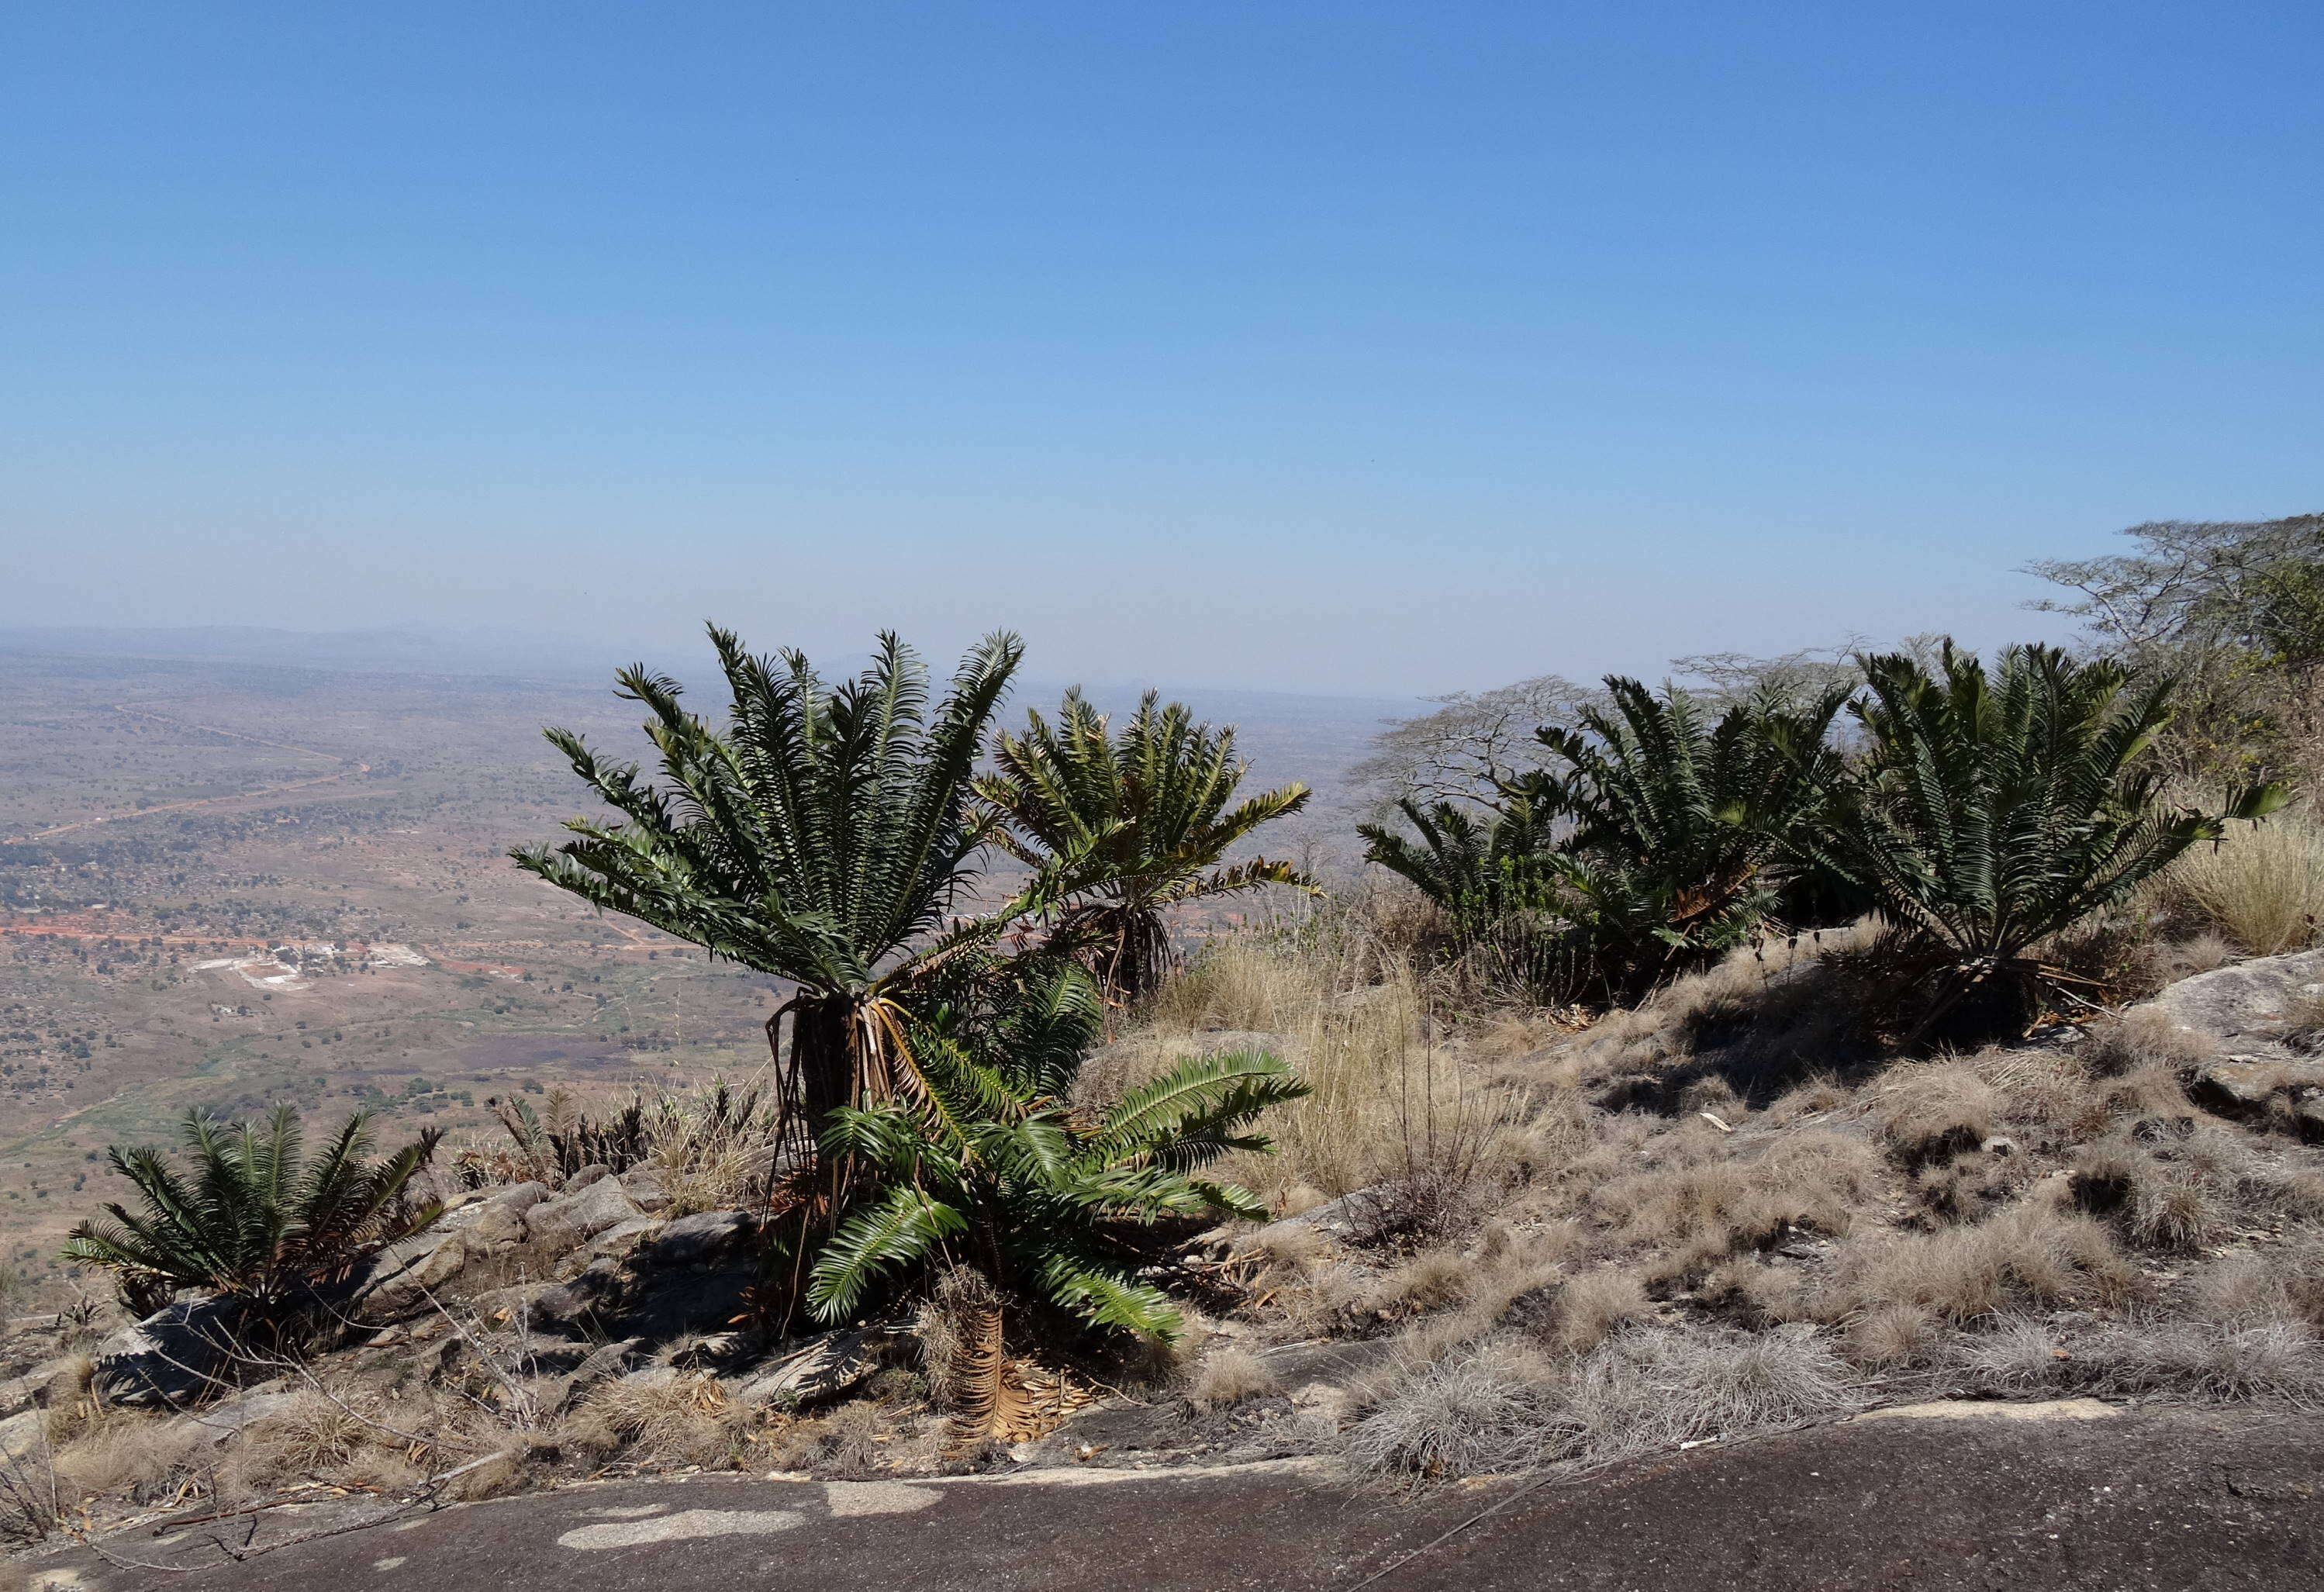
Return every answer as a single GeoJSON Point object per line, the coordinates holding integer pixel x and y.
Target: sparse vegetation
{"type": "Point", "coordinates": [1617, 1124]}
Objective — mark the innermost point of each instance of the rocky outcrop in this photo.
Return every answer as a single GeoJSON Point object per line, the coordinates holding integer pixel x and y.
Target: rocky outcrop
{"type": "Point", "coordinates": [2242, 1007]}
{"type": "Point", "coordinates": [180, 1355]}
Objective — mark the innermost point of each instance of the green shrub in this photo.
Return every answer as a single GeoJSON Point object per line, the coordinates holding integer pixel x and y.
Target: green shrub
{"type": "Point", "coordinates": [251, 1214]}
{"type": "Point", "coordinates": [1991, 814]}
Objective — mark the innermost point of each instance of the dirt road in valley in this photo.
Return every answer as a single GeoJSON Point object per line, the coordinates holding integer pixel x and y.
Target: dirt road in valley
{"type": "Point", "coordinates": [347, 765]}
{"type": "Point", "coordinates": [2143, 1499]}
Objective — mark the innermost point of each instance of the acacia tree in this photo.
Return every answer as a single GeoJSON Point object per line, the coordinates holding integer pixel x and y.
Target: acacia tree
{"type": "Point", "coordinates": [1142, 815]}
{"type": "Point", "coordinates": [822, 834]}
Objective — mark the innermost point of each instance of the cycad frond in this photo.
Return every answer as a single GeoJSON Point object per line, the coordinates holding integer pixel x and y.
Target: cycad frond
{"type": "Point", "coordinates": [257, 1217]}
{"type": "Point", "coordinates": [1145, 811]}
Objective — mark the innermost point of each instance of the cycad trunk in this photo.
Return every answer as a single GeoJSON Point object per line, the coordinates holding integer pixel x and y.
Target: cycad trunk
{"type": "Point", "coordinates": [820, 1074]}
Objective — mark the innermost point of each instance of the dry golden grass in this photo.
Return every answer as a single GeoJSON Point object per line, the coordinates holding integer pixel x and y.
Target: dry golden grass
{"type": "Point", "coordinates": [705, 1159]}
{"type": "Point", "coordinates": [1933, 1111]}
{"type": "Point", "coordinates": [2262, 885]}
{"type": "Point", "coordinates": [687, 1420]}
{"type": "Point", "coordinates": [1227, 1377]}
{"type": "Point", "coordinates": [2031, 1253]}
{"type": "Point", "coordinates": [121, 1450]}
{"type": "Point", "coordinates": [1388, 1100]}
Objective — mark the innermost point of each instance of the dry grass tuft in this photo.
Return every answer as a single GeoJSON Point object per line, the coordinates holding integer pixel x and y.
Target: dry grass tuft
{"type": "Point", "coordinates": [1576, 1316]}
{"type": "Point", "coordinates": [2155, 1204]}
{"type": "Point", "coordinates": [1432, 1280]}
{"type": "Point", "coordinates": [1893, 1335]}
{"type": "Point", "coordinates": [2223, 1360]}
{"type": "Point", "coordinates": [2262, 885]}
{"type": "Point", "coordinates": [2141, 1036]}
{"type": "Point", "coordinates": [1228, 1377]}
{"type": "Point", "coordinates": [1470, 1414]}
{"type": "Point", "coordinates": [123, 1450]}
{"type": "Point", "coordinates": [684, 1419]}
{"type": "Point", "coordinates": [1693, 1212]}
{"type": "Point", "coordinates": [305, 1438]}
{"type": "Point", "coordinates": [843, 1444]}
{"type": "Point", "coordinates": [2031, 1254]}
{"type": "Point", "coordinates": [2169, 960]}
{"type": "Point", "coordinates": [1389, 1104]}
{"type": "Point", "coordinates": [1931, 1113]}
{"type": "Point", "coordinates": [2017, 1354]}
{"type": "Point", "coordinates": [711, 1144]}
{"type": "Point", "coordinates": [1502, 1407]}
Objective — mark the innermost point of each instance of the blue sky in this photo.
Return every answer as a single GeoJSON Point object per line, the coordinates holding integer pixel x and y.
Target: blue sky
{"type": "Point", "coordinates": [1347, 347]}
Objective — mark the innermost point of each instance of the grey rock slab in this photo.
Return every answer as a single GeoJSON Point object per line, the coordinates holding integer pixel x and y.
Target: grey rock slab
{"type": "Point", "coordinates": [223, 1420]}
{"type": "Point", "coordinates": [620, 1237]}
{"type": "Point", "coordinates": [2242, 1087]}
{"type": "Point", "coordinates": [1342, 1218]}
{"type": "Point", "coordinates": [576, 1219]}
{"type": "Point", "coordinates": [30, 1390]}
{"type": "Point", "coordinates": [520, 1197]}
{"type": "Point", "coordinates": [696, 1239]}
{"type": "Point", "coordinates": [644, 1187]}
{"type": "Point", "coordinates": [2241, 1006]}
{"type": "Point", "coordinates": [610, 1361]}
{"type": "Point", "coordinates": [23, 1433]}
{"type": "Point", "coordinates": [176, 1356]}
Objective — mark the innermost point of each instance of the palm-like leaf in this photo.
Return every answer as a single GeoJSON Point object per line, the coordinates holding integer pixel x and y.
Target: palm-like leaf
{"type": "Point", "coordinates": [822, 834]}
{"type": "Point", "coordinates": [251, 1214]}
{"type": "Point", "coordinates": [983, 1164]}
{"type": "Point", "coordinates": [1481, 870]}
{"type": "Point", "coordinates": [1995, 813]}
{"type": "Point", "coordinates": [1145, 812]}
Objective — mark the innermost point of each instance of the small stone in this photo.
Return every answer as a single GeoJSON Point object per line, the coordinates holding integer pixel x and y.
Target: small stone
{"type": "Point", "coordinates": [644, 1188]}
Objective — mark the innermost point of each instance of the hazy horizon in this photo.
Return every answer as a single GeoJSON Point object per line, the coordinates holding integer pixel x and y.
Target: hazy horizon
{"type": "Point", "coordinates": [1340, 350]}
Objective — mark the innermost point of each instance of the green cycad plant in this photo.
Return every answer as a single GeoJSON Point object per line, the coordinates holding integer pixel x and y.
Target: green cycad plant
{"type": "Point", "coordinates": [251, 1215]}
{"type": "Point", "coordinates": [823, 835]}
{"type": "Point", "coordinates": [1480, 867]}
{"type": "Point", "coordinates": [991, 1167]}
{"type": "Point", "coordinates": [1150, 807]}
{"type": "Point", "coordinates": [1990, 815]}
{"type": "Point", "coordinates": [1674, 819]}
